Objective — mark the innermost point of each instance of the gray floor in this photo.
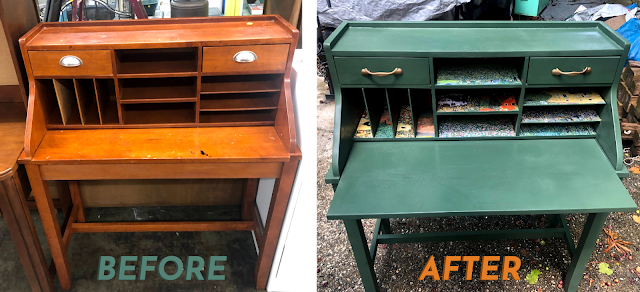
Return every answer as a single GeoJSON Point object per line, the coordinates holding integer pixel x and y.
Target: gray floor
{"type": "Point", "coordinates": [86, 248]}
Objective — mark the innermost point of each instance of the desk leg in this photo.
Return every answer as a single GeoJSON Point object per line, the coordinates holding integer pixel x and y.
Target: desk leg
{"type": "Point", "coordinates": [249, 198]}
{"type": "Point", "coordinates": [76, 198]}
{"type": "Point", "coordinates": [50, 224]}
{"type": "Point", "coordinates": [271, 233]}
{"type": "Point", "coordinates": [361, 253]}
{"type": "Point", "coordinates": [385, 225]}
{"type": "Point", "coordinates": [16, 213]}
{"type": "Point", "coordinates": [583, 252]}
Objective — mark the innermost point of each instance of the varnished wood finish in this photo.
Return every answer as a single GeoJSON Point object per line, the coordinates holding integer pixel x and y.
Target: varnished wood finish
{"type": "Point", "coordinates": [223, 144]}
{"type": "Point", "coordinates": [162, 226]}
{"type": "Point", "coordinates": [219, 60]}
{"type": "Point", "coordinates": [185, 110]}
{"type": "Point", "coordinates": [277, 209]}
{"type": "Point", "coordinates": [50, 224]}
{"type": "Point", "coordinates": [125, 34]}
{"type": "Point", "coordinates": [74, 190]}
{"type": "Point", "coordinates": [160, 171]}
{"type": "Point", "coordinates": [16, 214]}
{"type": "Point", "coordinates": [285, 123]}
{"type": "Point", "coordinates": [12, 117]}
{"type": "Point", "coordinates": [159, 192]}
{"type": "Point", "coordinates": [96, 63]}
{"type": "Point", "coordinates": [10, 93]}
{"type": "Point", "coordinates": [249, 198]}
{"type": "Point", "coordinates": [17, 18]}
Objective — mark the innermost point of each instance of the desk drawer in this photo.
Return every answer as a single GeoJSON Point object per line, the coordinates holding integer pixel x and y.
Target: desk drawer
{"type": "Point", "coordinates": [88, 63]}
{"type": "Point", "coordinates": [257, 59]}
{"type": "Point", "coordinates": [602, 70]}
{"type": "Point", "coordinates": [415, 71]}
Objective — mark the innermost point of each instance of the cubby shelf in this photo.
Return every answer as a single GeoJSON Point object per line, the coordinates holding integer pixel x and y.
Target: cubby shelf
{"type": "Point", "coordinates": [475, 113]}
{"type": "Point", "coordinates": [237, 104]}
{"type": "Point", "coordinates": [478, 86]}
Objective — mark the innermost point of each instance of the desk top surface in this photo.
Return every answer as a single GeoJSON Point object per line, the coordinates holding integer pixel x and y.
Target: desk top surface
{"type": "Point", "coordinates": [480, 38]}
{"type": "Point", "coordinates": [12, 124]}
{"type": "Point", "coordinates": [473, 178]}
{"type": "Point", "coordinates": [215, 144]}
{"type": "Point", "coordinates": [161, 32]}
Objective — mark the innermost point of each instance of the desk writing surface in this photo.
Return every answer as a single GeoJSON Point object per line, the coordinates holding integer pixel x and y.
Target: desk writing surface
{"type": "Point", "coordinates": [442, 41]}
{"type": "Point", "coordinates": [222, 144]}
{"type": "Point", "coordinates": [467, 178]}
{"type": "Point", "coordinates": [12, 124]}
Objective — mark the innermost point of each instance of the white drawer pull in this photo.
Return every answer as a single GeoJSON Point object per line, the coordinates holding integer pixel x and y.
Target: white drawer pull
{"type": "Point", "coordinates": [245, 57]}
{"type": "Point", "coordinates": [70, 61]}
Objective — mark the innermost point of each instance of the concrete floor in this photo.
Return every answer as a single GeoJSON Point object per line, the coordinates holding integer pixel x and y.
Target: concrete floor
{"type": "Point", "coordinates": [86, 248]}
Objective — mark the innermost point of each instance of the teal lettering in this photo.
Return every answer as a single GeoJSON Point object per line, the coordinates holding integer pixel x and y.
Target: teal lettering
{"type": "Point", "coordinates": [123, 268]}
{"type": "Point", "coordinates": [162, 272]}
{"type": "Point", "coordinates": [106, 267]}
{"type": "Point", "coordinates": [197, 270]}
{"type": "Point", "coordinates": [213, 268]}
{"type": "Point", "coordinates": [144, 268]}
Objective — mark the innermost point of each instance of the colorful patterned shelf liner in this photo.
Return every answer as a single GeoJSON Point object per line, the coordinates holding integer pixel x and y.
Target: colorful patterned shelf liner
{"type": "Point", "coordinates": [452, 127]}
{"type": "Point", "coordinates": [556, 129]}
{"type": "Point", "coordinates": [561, 97]}
{"type": "Point", "coordinates": [405, 123]}
{"type": "Point", "coordinates": [425, 126]}
{"type": "Point", "coordinates": [456, 102]}
{"type": "Point", "coordinates": [559, 114]}
{"type": "Point", "coordinates": [364, 127]}
{"type": "Point", "coordinates": [385, 128]}
{"type": "Point", "coordinates": [477, 75]}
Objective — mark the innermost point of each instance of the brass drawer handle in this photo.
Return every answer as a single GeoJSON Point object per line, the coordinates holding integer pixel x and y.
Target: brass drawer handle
{"type": "Point", "coordinates": [396, 71]}
{"type": "Point", "coordinates": [557, 72]}
{"type": "Point", "coordinates": [70, 61]}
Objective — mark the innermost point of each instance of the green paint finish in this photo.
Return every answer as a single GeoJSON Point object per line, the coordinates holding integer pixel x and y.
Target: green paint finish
{"type": "Point", "coordinates": [362, 254]}
{"type": "Point", "coordinates": [583, 251]}
{"type": "Point", "coordinates": [603, 70]}
{"type": "Point", "coordinates": [415, 71]}
{"type": "Point", "coordinates": [493, 177]}
{"type": "Point", "coordinates": [470, 235]}
{"type": "Point", "coordinates": [475, 39]}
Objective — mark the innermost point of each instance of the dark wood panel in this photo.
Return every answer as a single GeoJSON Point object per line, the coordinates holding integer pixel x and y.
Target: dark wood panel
{"type": "Point", "coordinates": [192, 192]}
{"type": "Point", "coordinates": [11, 93]}
{"type": "Point", "coordinates": [158, 90]}
{"type": "Point", "coordinates": [238, 116]}
{"type": "Point", "coordinates": [237, 102]}
{"type": "Point", "coordinates": [172, 113]}
{"type": "Point", "coordinates": [241, 83]}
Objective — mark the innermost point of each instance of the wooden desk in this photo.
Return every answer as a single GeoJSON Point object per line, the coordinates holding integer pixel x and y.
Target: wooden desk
{"type": "Point", "coordinates": [440, 119]}
{"type": "Point", "coordinates": [197, 98]}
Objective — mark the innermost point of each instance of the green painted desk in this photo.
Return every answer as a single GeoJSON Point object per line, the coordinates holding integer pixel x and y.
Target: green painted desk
{"type": "Point", "coordinates": [521, 156]}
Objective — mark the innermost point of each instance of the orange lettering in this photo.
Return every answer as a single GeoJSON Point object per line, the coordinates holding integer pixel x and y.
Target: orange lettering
{"type": "Point", "coordinates": [506, 270]}
{"type": "Point", "coordinates": [486, 268]}
{"type": "Point", "coordinates": [470, 260]}
{"type": "Point", "coordinates": [448, 267]}
{"type": "Point", "coordinates": [430, 269]}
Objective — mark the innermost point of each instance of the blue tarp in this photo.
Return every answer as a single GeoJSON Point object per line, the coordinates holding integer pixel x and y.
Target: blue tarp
{"type": "Point", "coordinates": [631, 31]}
